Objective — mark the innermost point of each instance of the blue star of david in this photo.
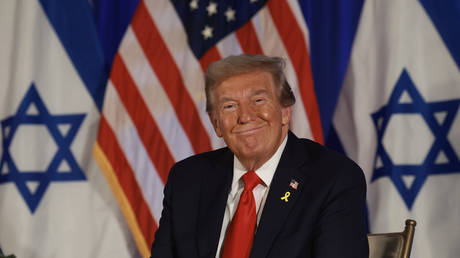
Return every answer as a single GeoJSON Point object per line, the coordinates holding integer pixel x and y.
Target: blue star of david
{"type": "Point", "coordinates": [440, 130]}
{"type": "Point", "coordinates": [63, 153]}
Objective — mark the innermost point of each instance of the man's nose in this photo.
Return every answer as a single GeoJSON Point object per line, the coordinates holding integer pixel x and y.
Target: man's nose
{"type": "Point", "coordinates": [246, 114]}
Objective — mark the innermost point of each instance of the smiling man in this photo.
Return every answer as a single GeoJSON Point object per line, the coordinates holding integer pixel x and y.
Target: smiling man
{"type": "Point", "coordinates": [269, 193]}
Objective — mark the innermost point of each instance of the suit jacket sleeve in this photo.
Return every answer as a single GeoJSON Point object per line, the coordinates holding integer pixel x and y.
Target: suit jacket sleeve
{"type": "Point", "coordinates": [163, 245]}
{"type": "Point", "coordinates": [341, 228]}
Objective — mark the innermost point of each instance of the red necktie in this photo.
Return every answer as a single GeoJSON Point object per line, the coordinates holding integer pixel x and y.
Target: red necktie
{"type": "Point", "coordinates": [240, 232]}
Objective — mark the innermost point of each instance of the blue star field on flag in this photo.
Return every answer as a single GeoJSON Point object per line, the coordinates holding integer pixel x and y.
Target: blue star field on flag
{"type": "Point", "coordinates": [385, 166]}
{"type": "Point", "coordinates": [12, 173]}
{"type": "Point", "coordinates": [207, 22]}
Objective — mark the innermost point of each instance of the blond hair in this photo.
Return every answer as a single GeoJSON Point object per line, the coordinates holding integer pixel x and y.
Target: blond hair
{"type": "Point", "coordinates": [230, 66]}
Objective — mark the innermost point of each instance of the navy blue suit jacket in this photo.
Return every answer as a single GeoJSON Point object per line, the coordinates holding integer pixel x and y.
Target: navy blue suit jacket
{"type": "Point", "coordinates": [324, 216]}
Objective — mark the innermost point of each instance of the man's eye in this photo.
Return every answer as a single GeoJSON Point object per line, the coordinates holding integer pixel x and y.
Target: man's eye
{"type": "Point", "coordinates": [228, 106]}
{"type": "Point", "coordinates": [259, 100]}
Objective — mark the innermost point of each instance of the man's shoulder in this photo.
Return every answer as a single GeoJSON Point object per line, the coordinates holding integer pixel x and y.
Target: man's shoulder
{"type": "Point", "coordinates": [209, 157]}
{"type": "Point", "coordinates": [319, 151]}
{"type": "Point", "coordinates": [330, 160]}
{"type": "Point", "coordinates": [194, 167]}
{"type": "Point", "coordinates": [314, 150]}
{"type": "Point", "coordinates": [204, 161]}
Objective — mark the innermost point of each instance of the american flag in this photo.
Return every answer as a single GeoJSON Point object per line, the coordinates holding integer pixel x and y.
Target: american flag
{"type": "Point", "coordinates": [154, 108]}
{"type": "Point", "coordinates": [294, 184]}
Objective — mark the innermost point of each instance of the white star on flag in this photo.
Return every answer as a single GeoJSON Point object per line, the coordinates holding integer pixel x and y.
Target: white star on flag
{"type": "Point", "coordinates": [207, 32]}
{"type": "Point", "coordinates": [230, 14]}
{"type": "Point", "coordinates": [211, 8]}
{"type": "Point", "coordinates": [193, 4]}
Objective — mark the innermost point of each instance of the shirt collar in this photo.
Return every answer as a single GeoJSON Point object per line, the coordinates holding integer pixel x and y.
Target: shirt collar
{"type": "Point", "coordinates": [265, 172]}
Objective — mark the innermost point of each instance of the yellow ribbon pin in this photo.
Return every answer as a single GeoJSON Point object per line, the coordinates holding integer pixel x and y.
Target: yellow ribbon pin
{"type": "Point", "coordinates": [285, 197]}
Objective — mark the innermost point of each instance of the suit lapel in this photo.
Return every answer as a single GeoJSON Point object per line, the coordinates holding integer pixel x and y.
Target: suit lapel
{"type": "Point", "coordinates": [281, 197]}
{"type": "Point", "coordinates": [215, 186]}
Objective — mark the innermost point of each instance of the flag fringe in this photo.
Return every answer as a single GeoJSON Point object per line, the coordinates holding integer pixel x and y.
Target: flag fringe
{"type": "Point", "coordinates": [123, 202]}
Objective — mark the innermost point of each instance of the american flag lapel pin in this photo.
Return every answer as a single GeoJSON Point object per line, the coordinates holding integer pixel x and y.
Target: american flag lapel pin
{"type": "Point", "coordinates": [294, 184]}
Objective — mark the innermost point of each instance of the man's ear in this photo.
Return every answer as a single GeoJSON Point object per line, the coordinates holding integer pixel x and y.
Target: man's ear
{"type": "Point", "coordinates": [285, 115]}
{"type": "Point", "coordinates": [215, 123]}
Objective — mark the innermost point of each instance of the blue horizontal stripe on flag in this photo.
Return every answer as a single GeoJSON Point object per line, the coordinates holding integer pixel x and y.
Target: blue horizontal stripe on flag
{"type": "Point", "coordinates": [74, 24]}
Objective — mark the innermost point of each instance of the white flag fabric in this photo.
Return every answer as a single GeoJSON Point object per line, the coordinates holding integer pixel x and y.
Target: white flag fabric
{"type": "Point", "coordinates": [397, 116]}
{"type": "Point", "coordinates": [54, 201]}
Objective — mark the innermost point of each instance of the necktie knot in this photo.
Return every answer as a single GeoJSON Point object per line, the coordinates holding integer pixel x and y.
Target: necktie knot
{"type": "Point", "coordinates": [251, 180]}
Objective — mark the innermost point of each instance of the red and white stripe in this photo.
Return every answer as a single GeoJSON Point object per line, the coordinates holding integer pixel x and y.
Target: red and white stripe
{"type": "Point", "coordinates": [154, 110]}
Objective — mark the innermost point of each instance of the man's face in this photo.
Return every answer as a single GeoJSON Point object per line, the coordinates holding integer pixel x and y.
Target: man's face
{"type": "Point", "coordinates": [248, 115]}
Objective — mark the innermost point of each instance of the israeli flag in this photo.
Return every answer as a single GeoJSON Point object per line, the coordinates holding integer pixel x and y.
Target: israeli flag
{"type": "Point", "coordinates": [398, 117]}
{"type": "Point", "coordinates": [54, 201]}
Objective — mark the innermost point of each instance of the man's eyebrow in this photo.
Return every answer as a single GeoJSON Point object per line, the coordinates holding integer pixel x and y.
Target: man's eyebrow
{"type": "Point", "coordinates": [224, 99]}
{"type": "Point", "coordinates": [254, 93]}
{"type": "Point", "coordinates": [259, 92]}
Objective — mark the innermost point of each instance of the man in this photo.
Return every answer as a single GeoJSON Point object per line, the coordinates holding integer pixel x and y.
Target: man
{"type": "Point", "coordinates": [269, 193]}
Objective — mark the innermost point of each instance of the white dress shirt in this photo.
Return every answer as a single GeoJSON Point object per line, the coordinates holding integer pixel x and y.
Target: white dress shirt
{"type": "Point", "coordinates": [265, 173]}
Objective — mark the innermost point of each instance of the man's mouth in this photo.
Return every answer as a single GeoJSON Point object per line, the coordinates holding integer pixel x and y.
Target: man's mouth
{"type": "Point", "coordinates": [250, 130]}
